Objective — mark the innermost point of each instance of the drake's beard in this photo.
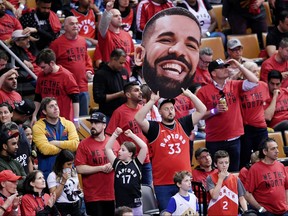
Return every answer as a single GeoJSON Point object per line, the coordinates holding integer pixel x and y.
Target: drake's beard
{"type": "Point", "coordinates": [167, 86]}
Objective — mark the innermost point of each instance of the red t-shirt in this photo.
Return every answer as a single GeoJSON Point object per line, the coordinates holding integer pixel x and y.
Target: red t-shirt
{"type": "Point", "coordinates": [31, 204]}
{"type": "Point", "coordinates": [243, 175]}
{"type": "Point", "coordinates": [170, 154]}
{"type": "Point", "coordinates": [281, 110]}
{"type": "Point", "coordinates": [123, 117]}
{"type": "Point", "coordinates": [267, 183]}
{"type": "Point", "coordinates": [182, 106]}
{"type": "Point", "coordinates": [231, 120]}
{"type": "Point", "coordinates": [87, 23]}
{"type": "Point", "coordinates": [59, 85]}
{"type": "Point", "coordinates": [227, 202]}
{"type": "Point", "coordinates": [202, 77]}
{"type": "Point", "coordinates": [252, 105]}
{"type": "Point", "coordinates": [8, 24]}
{"type": "Point", "coordinates": [97, 186]}
{"type": "Point", "coordinates": [72, 55]}
{"type": "Point", "coordinates": [10, 97]}
{"type": "Point", "coordinates": [112, 41]}
{"type": "Point", "coordinates": [146, 9]}
{"type": "Point", "coordinates": [272, 64]}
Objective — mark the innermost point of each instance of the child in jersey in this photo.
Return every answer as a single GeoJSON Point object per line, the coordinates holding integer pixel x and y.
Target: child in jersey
{"type": "Point", "coordinates": [226, 190]}
{"type": "Point", "coordinates": [127, 179]}
{"type": "Point", "coordinates": [184, 202]}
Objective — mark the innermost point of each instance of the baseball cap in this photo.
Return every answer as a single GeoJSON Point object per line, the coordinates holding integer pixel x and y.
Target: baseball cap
{"type": "Point", "coordinates": [97, 117]}
{"type": "Point", "coordinates": [25, 106]}
{"type": "Point", "coordinates": [199, 151]}
{"type": "Point", "coordinates": [162, 101]}
{"type": "Point", "coordinates": [8, 175]}
{"type": "Point", "coordinates": [218, 63]}
{"type": "Point", "coordinates": [9, 130]}
{"type": "Point", "coordinates": [233, 43]}
{"type": "Point", "coordinates": [19, 34]}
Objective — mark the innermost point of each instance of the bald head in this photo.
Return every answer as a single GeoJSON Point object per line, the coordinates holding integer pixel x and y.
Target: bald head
{"type": "Point", "coordinates": [71, 27]}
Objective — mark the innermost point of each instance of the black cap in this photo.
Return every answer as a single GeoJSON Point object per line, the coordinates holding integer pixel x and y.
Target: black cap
{"type": "Point", "coordinates": [9, 130]}
{"type": "Point", "coordinates": [216, 64]}
{"type": "Point", "coordinates": [97, 117]}
{"type": "Point", "coordinates": [199, 151]}
{"type": "Point", "coordinates": [162, 101]}
{"type": "Point", "coordinates": [25, 106]}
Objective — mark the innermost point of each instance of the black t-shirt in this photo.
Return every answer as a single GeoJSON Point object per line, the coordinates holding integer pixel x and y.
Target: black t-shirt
{"type": "Point", "coordinates": [275, 36]}
{"type": "Point", "coordinates": [24, 150]}
{"type": "Point", "coordinates": [127, 183]}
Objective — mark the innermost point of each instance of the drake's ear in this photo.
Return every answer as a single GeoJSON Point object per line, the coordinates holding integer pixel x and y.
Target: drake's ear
{"type": "Point", "coordinates": [139, 55]}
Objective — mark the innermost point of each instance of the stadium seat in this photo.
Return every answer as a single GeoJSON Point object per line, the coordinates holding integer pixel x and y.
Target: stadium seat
{"type": "Point", "coordinates": [268, 14]}
{"type": "Point", "coordinates": [279, 139]}
{"type": "Point", "coordinates": [92, 104]}
{"type": "Point", "coordinates": [218, 12]}
{"type": "Point", "coordinates": [286, 138]}
{"type": "Point", "coordinates": [31, 3]}
{"type": "Point", "coordinates": [84, 130]}
{"type": "Point", "coordinates": [216, 45]}
{"type": "Point", "coordinates": [149, 201]}
{"type": "Point", "coordinates": [91, 52]}
{"type": "Point", "coordinates": [250, 43]}
{"type": "Point", "coordinates": [199, 190]}
{"type": "Point", "coordinates": [264, 36]}
{"type": "Point", "coordinates": [197, 144]}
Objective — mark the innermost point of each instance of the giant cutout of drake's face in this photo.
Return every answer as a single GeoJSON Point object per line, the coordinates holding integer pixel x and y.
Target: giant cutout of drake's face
{"type": "Point", "coordinates": [170, 51]}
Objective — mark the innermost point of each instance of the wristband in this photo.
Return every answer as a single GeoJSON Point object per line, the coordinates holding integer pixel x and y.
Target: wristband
{"type": "Point", "coordinates": [208, 34]}
{"type": "Point", "coordinates": [214, 111]}
{"type": "Point", "coordinates": [22, 6]}
{"type": "Point", "coordinates": [99, 13]}
{"type": "Point", "coordinates": [76, 119]}
{"type": "Point", "coordinates": [1, 207]}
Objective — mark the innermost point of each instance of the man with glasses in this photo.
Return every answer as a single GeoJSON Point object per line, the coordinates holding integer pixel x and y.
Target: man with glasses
{"type": "Point", "coordinates": [205, 167]}
{"type": "Point", "coordinates": [222, 99]}
{"type": "Point", "coordinates": [235, 50]}
{"type": "Point", "coordinates": [202, 75]}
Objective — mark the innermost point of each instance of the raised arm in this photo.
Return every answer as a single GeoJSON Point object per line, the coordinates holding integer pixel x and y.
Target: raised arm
{"type": "Point", "coordinates": [250, 76]}
{"type": "Point", "coordinates": [140, 116]}
{"type": "Point", "coordinates": [109, 145]}
{"type": "Point", "coordinates": [106, 19]}
{"type": "Point", "coordinates": [143, 146]}
{"type": "Point", "coordinates": [270, 110]}
{"type": "Point", "coordinates": [216, 191]}
{"type": "Point", "coordinates": [200, 107]}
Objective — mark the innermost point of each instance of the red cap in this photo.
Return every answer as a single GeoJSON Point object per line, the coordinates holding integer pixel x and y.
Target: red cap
{"type": "Point", "coordinates": [8, 175]}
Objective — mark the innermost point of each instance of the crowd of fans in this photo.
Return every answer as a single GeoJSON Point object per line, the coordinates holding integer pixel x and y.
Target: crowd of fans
{"type": "Point", "coordinates": [138, 137]}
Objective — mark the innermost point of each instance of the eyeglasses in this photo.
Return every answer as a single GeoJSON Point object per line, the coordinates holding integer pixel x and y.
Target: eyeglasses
{"type": "Point", "coordinates": [22, 39]}
{"type": "Point", "coordinates": [236, 49]}
{"type": "Point", "coordinates": [205, 62]}
{"type": "Point", "coordinates": [204, 156]}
